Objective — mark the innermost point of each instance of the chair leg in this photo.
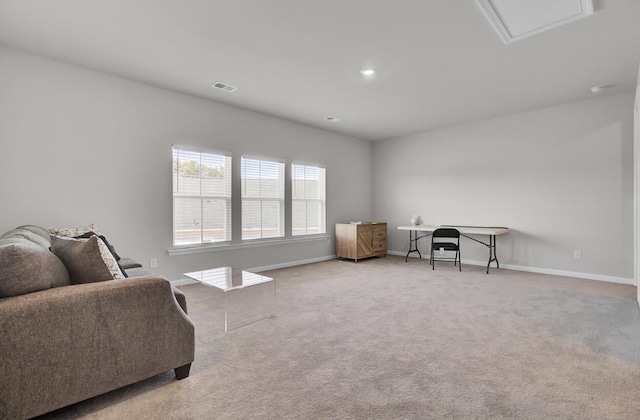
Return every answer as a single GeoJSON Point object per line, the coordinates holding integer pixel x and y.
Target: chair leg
{"type": "Point", "coordinates": [459, 256]}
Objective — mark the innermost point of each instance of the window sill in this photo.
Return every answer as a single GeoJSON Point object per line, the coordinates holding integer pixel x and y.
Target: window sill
{"type": "Point", "coordinates": [196, 249]}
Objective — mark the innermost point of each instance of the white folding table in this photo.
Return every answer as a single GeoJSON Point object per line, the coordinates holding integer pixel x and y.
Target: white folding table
{"type": "Point", "coordinates": [465, 231]}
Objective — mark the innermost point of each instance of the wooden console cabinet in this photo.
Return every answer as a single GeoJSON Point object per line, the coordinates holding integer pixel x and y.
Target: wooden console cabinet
{"type": "Point", "coordinates": [362, 240]}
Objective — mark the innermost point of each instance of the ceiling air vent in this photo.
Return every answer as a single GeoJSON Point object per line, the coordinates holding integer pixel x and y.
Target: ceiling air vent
{"type": "Point", "coordinates": [515, 20]}
{"type": "Point", "coordinates": [224, 86]}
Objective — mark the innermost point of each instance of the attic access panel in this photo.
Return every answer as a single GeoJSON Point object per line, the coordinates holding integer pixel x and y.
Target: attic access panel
{"type": "Point", "coordinates": [517, 19]}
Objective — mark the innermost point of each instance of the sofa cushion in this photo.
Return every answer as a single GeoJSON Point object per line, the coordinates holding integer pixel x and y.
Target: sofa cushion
{"type": "Point", "coordinates": [137, 272]}
{"type": "Point", "coordinates": [87, 260]}
{"type": "Point", "coordinates": [38, 230]}
{"type": "Point", "coordinates": [111, 247]}
{"type": "Point", "coordinates": [26, 267]}
{"type": "Point", "coordinates": [30, 234]}
{"type": "Point", "coordinates": [128, 263]}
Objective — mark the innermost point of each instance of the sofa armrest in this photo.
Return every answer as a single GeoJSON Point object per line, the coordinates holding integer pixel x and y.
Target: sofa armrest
{"type": "Point", "coordinates": [67, 344]}
{"type": "Point", "coordinates": [181, 299]}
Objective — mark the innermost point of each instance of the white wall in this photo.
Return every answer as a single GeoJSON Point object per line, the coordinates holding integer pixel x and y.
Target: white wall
{"type": "Point", "coordinates": [561, 178]}
{"type": "Point", "coordinates": [636, 204]}
{"type": "Point", "coordinates": [91, 147]}
{"type": "Point", "coordinates": [79, 146]}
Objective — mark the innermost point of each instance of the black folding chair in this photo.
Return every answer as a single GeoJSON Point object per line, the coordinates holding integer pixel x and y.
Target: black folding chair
{"type": "Point", "coordinates": [445, 239]}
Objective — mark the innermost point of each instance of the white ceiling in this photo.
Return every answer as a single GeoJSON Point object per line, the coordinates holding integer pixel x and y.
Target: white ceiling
{"type": "Point", "coordinates": [439, 62]}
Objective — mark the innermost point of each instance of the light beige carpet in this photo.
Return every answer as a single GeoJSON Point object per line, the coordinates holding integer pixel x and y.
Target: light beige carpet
{"type": "Point", "coordinates": [386, 339]}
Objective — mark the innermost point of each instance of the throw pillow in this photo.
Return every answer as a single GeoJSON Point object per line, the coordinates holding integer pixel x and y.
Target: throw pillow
{"type": "Point", "coordinates": [73, 232]}
{"type": "Point", "coordinates": [26, 267]}
{"type": "Point", "coordinates": [111, 248]}
{"type": "Point", "coordinates": [88, 261]}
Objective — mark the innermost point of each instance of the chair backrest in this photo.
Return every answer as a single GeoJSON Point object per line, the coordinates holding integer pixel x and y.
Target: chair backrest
{"type": "Point", "coordinates": [446, 233]}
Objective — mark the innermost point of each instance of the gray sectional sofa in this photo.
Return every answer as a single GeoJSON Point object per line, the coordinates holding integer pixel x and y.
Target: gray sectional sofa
{"type": "Point", "coordinates": [69, 333]}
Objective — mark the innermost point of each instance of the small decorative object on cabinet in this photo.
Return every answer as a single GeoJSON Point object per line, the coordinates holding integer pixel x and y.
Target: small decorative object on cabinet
{"type": "Point", "coordinates": [361, 240]}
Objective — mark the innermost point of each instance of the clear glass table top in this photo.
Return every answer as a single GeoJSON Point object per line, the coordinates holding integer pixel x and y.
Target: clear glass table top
{"type": "Point", "coordinates": [227, 278]}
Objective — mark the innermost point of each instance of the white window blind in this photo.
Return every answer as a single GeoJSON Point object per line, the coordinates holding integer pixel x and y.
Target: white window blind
{"type": "Point", "coordinates": [308, 200]}
{"type": "Point", "coordinates": [201, 197]}
{"type": "Point", "coordinates": [262, 198]}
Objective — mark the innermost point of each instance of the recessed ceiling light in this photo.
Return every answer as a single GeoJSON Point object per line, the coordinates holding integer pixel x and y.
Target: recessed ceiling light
{"type": "Point", "coordinates": [368, 72]}
{"type": "Point", "coordinates": [332, 119]}
{"type": "Point", "coordinates": [597, 89]}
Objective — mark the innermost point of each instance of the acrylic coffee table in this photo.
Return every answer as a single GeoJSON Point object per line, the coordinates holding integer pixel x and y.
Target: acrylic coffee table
{"type": "Point", "coordinates": [248, 297]}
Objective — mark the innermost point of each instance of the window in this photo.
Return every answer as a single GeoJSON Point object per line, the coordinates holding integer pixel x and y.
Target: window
{"type": "Point", "coordinates": [308, 190]}
{"type": "Point", "coordinates": [262, 198]}
{"type": "Point", "coordinates": [201, 196]}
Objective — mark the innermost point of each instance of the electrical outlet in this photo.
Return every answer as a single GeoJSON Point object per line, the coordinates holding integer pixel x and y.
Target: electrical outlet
{"type": "Point", "coordinates": [577, 254]}
{"type": "Point", "coordinates": [153, 263]}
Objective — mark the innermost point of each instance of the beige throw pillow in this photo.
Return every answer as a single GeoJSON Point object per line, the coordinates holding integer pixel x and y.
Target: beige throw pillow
{"type": "Point", "coordinates": [73, 232]}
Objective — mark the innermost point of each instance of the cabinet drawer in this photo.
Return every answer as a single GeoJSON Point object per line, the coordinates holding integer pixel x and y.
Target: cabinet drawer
{"type": "Point", "coordinates": [379, 246]}
{"type": "Point", "coordinates": [380, 235]}
{"type": "Point", "coordinates": [364, 228]}
{"type": "Point", "coordinates": [380, 229]}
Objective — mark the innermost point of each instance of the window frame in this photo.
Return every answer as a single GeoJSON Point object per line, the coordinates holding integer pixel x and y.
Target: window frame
{"type": "Point", "coordinates": [235, 208]}
{"type": "Point", "coordinates": [322, 200]}
{"type": "Point", "coordinates": [281, 200]}
{"type": "Point", "coordinates": [202, 196]}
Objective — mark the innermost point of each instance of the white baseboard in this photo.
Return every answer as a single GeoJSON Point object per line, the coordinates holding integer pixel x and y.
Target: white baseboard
{"type": "Point", "coordinates": [588, 276]}
{"type": "Point", "coordinates": [182, 282]}
{"type": "Point", "coordinates": [290, 264]}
